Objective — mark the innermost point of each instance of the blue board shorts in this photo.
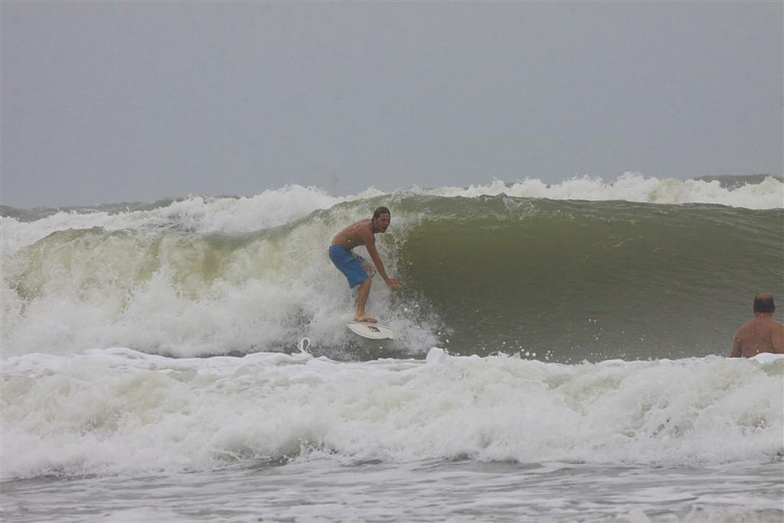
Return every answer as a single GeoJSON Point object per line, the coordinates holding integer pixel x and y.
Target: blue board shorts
{"type": "Point", "coordinates": [349, 264]}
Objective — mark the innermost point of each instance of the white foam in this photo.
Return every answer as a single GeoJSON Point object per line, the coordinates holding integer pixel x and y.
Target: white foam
{"type": "Point", "coordinates": [197, 214]}
{"type": "Point", "coordinates": [91, 290]}
{"type": "Point", "coordinates": [767, 357]}
{"type": "Point", "coordinates": [632, 187]}
{"type": "Point", "coordinates": [118, 411]}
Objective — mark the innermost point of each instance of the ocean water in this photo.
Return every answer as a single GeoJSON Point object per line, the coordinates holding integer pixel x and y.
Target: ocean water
{"type": "Point", "coordinates": [561, 355]}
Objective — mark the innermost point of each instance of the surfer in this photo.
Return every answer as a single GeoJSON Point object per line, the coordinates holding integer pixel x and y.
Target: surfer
{"type": "Point", "coordinates": [762, 334]}
{"type": "Point", "coordinates": [356, 269]}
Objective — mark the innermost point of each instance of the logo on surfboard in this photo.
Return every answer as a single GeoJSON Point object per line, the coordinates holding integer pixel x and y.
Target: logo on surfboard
{"type": "Point", "coordinates": [371, 331]}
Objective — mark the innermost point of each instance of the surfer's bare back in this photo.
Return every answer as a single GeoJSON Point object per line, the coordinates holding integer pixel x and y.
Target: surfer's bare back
{"type": "Point", "coordinates": [762, 334]}
{"type": "Point", "coordinates": [354, 267]}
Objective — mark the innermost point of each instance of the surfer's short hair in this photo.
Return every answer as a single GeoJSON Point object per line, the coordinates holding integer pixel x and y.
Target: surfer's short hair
{"type": "Point", "coordinates": [379, 211]}
{"type": "Point", "coordinates": [764, 303]}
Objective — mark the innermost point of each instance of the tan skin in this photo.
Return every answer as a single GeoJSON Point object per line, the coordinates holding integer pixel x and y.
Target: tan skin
{"type": "Point", "coordinates": [364, 233]}
{"type": "Point", "coordinates": [762, 334]}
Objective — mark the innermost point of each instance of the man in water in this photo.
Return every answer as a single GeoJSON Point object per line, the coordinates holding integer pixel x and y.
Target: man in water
{"type": "Point", "coordinates": [762, 334]}
{"type": "Point", "coordinates": [354, 267]}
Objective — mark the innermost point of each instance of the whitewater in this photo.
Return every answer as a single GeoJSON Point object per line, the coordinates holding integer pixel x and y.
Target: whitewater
{"type": "Point", "coordinates": [561, 355]}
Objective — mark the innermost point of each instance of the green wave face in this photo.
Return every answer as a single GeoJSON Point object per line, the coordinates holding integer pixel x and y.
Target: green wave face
{"type": "Point", "coordinates": [579, 280]}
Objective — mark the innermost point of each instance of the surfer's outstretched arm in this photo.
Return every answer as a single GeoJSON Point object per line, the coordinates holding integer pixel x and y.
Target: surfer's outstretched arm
{"type": "Point", "coordinates": [371, 248]}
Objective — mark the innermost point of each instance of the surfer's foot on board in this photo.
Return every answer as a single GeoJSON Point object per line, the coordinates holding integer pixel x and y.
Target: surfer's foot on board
{"type": "Point", "coordinates": [365, 318]}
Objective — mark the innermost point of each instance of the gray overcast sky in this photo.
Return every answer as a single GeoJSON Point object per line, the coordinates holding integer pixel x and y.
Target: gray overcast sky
{"type": "Point", "coordinates": [122, 101]}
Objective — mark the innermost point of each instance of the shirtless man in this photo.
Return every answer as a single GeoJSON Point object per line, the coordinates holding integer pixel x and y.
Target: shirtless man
{"type": "Point", "coordinates": [762, 334]}
{"type": "Point", "coordinates": [354, 267]}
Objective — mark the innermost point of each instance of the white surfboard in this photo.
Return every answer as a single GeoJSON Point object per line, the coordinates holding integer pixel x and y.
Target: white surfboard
{"type": "Point", "coordinates": [371, 331]}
